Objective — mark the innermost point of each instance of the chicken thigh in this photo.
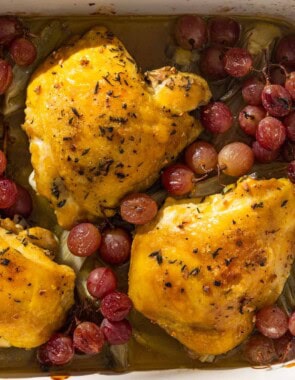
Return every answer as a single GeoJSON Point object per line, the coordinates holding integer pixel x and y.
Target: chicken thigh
{"type": "Point", "coordinates": [201, 269]}
{"type": "Point", "coordinates": [35, 292]}
{"type": "Point", "coordinates": [99, 129]}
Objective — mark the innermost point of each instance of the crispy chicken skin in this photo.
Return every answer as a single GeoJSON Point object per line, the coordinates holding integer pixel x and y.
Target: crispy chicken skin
{"type": "Point", "coordinates": [200, 270]}
{"type": "Point", "coordinates": [35, 292]}
{"type": "Point", "coordinates": [98, 130]}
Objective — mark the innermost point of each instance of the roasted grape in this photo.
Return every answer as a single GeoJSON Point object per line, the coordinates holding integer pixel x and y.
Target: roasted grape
{"type": "Point", "coordinates": [177, 179]}
{"type": "Point", "coordinates": [290, 85]}
{"type": "Point", "coordinates": [6, 75]}
{"type": "Point", "coordinates": [276, 100]}
{"type": "Point", "coordinates": [138, 208]}
{"type": "Point", "coordinates": [8, 193]}
{"type": "Point", "coordinates": [272, 322]}
{"type": "Point", "coordinates": [271, 133]}
{"type": "Point", "coordinates": [237, 62]}
{"type": "Point", "coordinates": [211, 63]}
{"type": "Point", "coordinates": [84, 239]}
{"type": "Point", "coordinates": [285, 51]}
{"type": "Point", "coordinates": [252, 90]}
{"type": "Point", "coordinates": [249, 118]}
{"type": "Point", "coordinates": [101, 281]}
{"type": "Point", "coordinates": [236, 159]}
{"type": "Point", "coordinates": [201, 157]}
{"type": "Point", "coordinates": [216, 117]}
{"type": "Point", "coordinates": [23, 205]}
{"type": "Point", "coordinates": [191, 32]}
{"type": "Point", "coordinates": [116, 332]}
{"type": "Point", "coordinates": [224, 31]}
{"type": "Point", "coordinates": [115, 306]}
{"type": "Point", "coordinates": [88, 338]}
{"type": "Point", "coordinates": [58, 350]}
{"type": "Point", "coordinates": [260, 350]}
{"type": "Point", "coordinates": [115, 246]}
{"type": "Point", "coordinates": [10, 28]}
{"type": "Point", "coordinates": [263, 155]}
{"type": "Point", "coordinates": [23, 51]}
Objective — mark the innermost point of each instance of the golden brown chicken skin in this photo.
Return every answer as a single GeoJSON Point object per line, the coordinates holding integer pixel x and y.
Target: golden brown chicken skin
{"type": "Point", "coordinates": [35, 292]}
{"type": "Point", "coordinates": [201, 269]}
{"type": "Point", "coordinates": [98, 130]}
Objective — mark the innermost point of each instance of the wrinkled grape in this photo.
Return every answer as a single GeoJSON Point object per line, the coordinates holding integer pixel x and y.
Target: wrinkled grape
{"type": "Point", "coordinates": [115, 306]}
{"type": "Point", "coordinates": [260, 350]}
{"type": "Point", "coordinates": [237, 62]}
{"type": "Point", "coordinates": [236, 159]}
{"type": "Point", "coordinates": [177, 179]}
{"type": "Point", "coordinates": [10, 28]}
{"type": "Point", "coordinates": [271, 133]}
{"type": "Point", "coordinates": [211, 63]}
{"type": "Point", "coordinates": [201, 157]}
{"type": "Point", "coordinates": [23, 51]}
{"type": "Point", "coordinates": [84, 239]}
{"type": "Point", "coordinates": [115, 246]}
{"type": "Point", "coordinates": [250, 117]}
{"type": "Point", "coordinates": [8, 193]}
{"type": "Point", "coordinates": [285, 348]}
{"type": "Point", "coordinates": [252, 90]}
{"type": "Point", "coordinates": [276, 100]}
{"type": "Point", "coordinates": [224, 31]}
{"type": "Point", "coordinates": [101, 281]}
{"type": "Point", "coordinates": [58, 350]}
{"type": "Point", "coordinates": [138, 208]}
{"type": "Point", "coordinates": [272, 322]}
{"type": "Point", "coordinates": [191, 32]}
{"type": "Point", "coordinates": [6, 75]}
{"type": "Point", "coordinates": [263, 155]}
{"type": "Point", "coordinates": [88, 338]}
{"type": "Point", "coordinates": [116, 332]}
{"type": "Point", "coordinates": [23, 205]}
{"type": "Point", "coordinates": [285, 51]}
{"type": "Point", "coordinates": [216, 117]}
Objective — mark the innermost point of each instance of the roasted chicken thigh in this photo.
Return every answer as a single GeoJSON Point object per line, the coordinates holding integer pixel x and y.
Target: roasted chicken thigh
{"type": "Point", "coordinates": [35, 292]}
{"type": "Point", "coordinates": [201, 269]}
{"type": "Point", "coordinates": [99, 130]}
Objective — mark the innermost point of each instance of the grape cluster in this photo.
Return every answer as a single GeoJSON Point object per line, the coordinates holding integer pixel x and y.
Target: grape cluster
{"type": "Point", "coordinates": [274, 340]}
{"type": "Point", "coordinates": [18, 49]}
{"type": "Point", "coordinates": [89, 337]}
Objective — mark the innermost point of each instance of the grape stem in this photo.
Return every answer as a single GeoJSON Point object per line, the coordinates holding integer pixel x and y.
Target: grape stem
{"type": "Point", "coordinates": [219, 170]}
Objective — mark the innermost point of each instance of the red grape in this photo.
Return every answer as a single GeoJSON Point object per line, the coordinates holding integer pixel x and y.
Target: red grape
{"type": "Point", "coordinates": [249, 118]}
{"type": "Point", "coordinates": [58, 350]}
{"type": "Point", "coordinates": [224, 31]}
{"type": "Point", "coordinates": [23, 51]}
{"type": "Point", "coordinates": [290, 85]}
{"type": "Point", "coordinates": [8, 193]}
{"type": "Point", "coordinates": [88, 338]}
{"type": "Point", "coordinates": [252, 90]}
{"type": "Point", "coordinates": [101, 281]}
{"type": "Point", "coordinates": [177, 179]}
{"type": "Point", "coordinates": [291, 324]}
{"type": "Point", "coordinates": [6, 75]}
{"type": "Point", "coordinates": [285, 51]}
{"type": "Point", "coordinates": [211, 63]}
{"type": "Point", "coordinates": [3, 162]}
{"type": "Point", "coordinates": [10, 28]}
{"type": "Point", "coordinates": [191, 32]}
{"type": "Point", "coordinates": [84, 239]}
{"type": "Point", "coordinates": [237, 62]}
{"type": "Point", "coordinates": [201, 157]}
{"type": "Point", "coordinates": [260, 350]}
{"type": "Point", "coordinates": [236, 159]}
{"type": "Point", "coordinates": [23, 205]}
{"type": "Point", "coordinates": [138, 208]}
{"type": "Point", "coordinates": [216, 117]}
{"type": "Point", "coordinates": [289, 123]}
{"type": "Point", "coordinates": [116, 332]}
{"type": "Point", "coordinates": [272, 322]}
{"type": "Point", "coordinates": [115, 246]}
{"type": "Point", "coordinates": [263, 155]}
{"type": "Point", "coordinates": [276, 100]}
{"type": "Point", "coordinates": [115, 306]}
{"type": "Point", "coordinates": [270, 133]}
{"type": "Point", "coordinates": [291, 171]}
{"type": "Point", "coordinates": [277, 76]}
{"type": "Point", "coordinates": [285, 347]}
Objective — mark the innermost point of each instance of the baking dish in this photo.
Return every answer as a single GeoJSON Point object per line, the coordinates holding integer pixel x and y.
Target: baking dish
{"type": "Point", "coordinates": [279, 8]}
